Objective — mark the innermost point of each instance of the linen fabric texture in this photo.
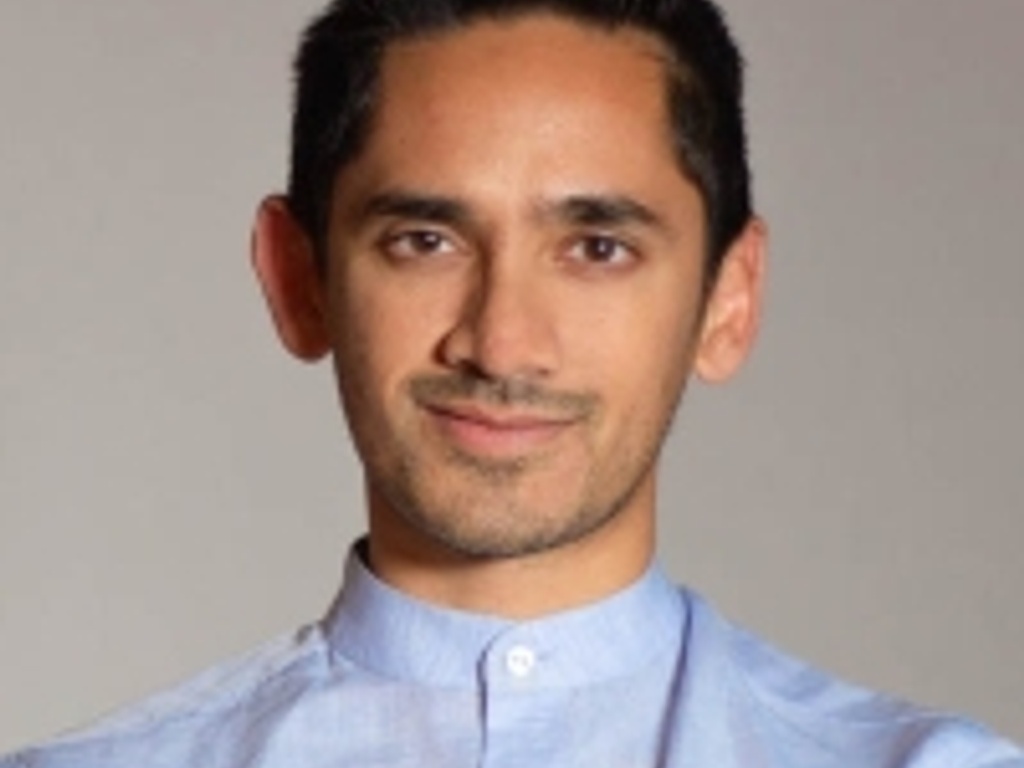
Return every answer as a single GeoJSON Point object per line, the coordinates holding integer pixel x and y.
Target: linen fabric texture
{"type": "Point", "coordinates": [651, 676]}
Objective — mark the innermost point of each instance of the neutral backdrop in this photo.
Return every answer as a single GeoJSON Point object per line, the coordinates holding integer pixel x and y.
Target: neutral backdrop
{"type": "Point", "coordinates": [173, 490]}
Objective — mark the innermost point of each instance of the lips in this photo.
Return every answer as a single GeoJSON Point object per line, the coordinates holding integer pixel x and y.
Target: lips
{"type": "Point", "coordinates": [497, 433]}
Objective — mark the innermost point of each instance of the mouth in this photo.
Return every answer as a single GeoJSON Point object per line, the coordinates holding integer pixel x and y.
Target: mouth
{"type": "Point", "coordinates": [496, 433]}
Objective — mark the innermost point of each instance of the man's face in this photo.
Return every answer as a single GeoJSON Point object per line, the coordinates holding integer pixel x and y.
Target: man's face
{"type": "Point", "coordinates": [513, 294]}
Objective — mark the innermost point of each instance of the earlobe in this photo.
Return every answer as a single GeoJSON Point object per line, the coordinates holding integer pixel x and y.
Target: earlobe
{"type": "Point", "coordinates": [733, 312]}
{"type": "Point", "coordinates": [283, 258]}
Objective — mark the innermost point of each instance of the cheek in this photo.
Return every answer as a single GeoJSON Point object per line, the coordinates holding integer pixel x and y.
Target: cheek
{"type": "Point", "coordinates": [638, 349]}
{"type": "Point", "coordinates": [387, 333]}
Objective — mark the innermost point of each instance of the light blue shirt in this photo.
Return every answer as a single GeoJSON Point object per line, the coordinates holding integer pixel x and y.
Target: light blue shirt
{"type": "Point", "coordinates": [651, 676]}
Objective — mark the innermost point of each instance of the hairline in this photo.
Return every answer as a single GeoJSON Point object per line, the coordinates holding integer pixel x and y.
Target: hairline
{"type": "Point", "coordinates": [679, 76]}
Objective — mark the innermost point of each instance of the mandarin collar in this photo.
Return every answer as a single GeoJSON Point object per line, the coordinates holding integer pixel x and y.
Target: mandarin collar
{"type": "Point", "coordinates": [390, 634]}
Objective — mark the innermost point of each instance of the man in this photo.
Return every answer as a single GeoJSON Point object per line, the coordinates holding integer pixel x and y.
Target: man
{"type": "Point", "coordinates": [518, 228]}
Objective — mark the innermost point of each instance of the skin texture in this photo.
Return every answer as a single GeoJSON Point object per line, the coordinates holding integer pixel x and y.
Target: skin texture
{"type": "Point", "coordinates": [513, 305]}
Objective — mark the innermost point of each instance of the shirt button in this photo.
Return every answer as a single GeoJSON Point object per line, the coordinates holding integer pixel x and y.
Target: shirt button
{"type": "Point", "coordinates": [520, 661]}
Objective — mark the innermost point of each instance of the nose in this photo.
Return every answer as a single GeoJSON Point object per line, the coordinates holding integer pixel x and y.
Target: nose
{"type": "Point", "coordinates": [506, 328]}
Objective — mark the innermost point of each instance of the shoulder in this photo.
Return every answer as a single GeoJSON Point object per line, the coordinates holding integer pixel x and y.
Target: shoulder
{"type": "Point", "coordinates": [169, 727]}
{"type": "Point", "coordinates": [798, 708]}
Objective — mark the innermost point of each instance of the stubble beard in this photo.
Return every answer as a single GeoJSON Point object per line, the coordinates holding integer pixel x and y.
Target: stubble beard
{"type": "Point", "coordinates": [491, 509]}
{"type": "Point", "coordinates": [486, 516]}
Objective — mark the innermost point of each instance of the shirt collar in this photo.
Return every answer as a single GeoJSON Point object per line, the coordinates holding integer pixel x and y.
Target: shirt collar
{"type": "Point", "coordinates": [388, 633]}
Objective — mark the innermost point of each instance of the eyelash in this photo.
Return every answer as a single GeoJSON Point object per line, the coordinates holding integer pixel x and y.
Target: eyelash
{"type": "Point", "coordinates": [414, 243]}
{"type": "Point", "coordinates": [417, 244]}
{"type": "Point", "coordinates": [624, 252]}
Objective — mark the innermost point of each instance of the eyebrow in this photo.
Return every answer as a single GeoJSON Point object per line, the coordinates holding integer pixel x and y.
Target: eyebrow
{"type": "Point", "coordinates": [586, 210]}
{"type": "Point", "coordinates": [414, 205]}
{"type": "Point", "coordinates": [603, 211]}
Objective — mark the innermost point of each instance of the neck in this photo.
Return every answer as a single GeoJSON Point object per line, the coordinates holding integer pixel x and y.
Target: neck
{"type": "Point", "coordinates": [524, 587]}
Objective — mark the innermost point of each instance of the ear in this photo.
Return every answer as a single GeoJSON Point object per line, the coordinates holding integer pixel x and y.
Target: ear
{"type": "Point", "coordinates": [733, 311]}
{"type": "Point", "coordinates": [283, 257]}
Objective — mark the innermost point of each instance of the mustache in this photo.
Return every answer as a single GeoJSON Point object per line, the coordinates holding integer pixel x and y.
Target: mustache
{"type": "Point", "coordinates": [461, 387]}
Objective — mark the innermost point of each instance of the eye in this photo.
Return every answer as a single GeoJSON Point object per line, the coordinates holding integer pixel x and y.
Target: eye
{"type": "Point", "coordinates": [417, 244]}
{"type": "Point", "coordinates": [602, 250]}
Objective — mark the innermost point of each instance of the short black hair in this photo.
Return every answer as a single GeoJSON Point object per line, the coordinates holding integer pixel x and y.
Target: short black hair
{"type": "Point", "coordinates": [337, 71]}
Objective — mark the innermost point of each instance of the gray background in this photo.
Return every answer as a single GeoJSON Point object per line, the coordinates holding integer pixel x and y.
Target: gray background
{"type": "Point", "coordinates": [173, 490]}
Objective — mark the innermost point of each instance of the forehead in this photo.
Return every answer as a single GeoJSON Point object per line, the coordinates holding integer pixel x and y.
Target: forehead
{"type": "Point", "coordinates": [534, 94]}
{"type": "Point", "coordinates": [529, 44]}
